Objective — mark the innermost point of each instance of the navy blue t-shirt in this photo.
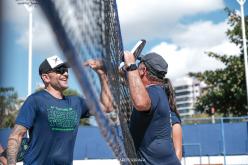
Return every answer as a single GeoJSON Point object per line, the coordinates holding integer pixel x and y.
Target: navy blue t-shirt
{"type": "Point", "coordinates": [175, 119]}
{"type": "Point", "coordinates": [53, 125]}
{"type": "Point", "coordinates": [151, 131]}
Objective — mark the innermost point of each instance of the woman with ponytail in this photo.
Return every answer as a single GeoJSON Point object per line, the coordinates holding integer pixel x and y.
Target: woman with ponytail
{"type": "Point", "coordinates": [175, 119]}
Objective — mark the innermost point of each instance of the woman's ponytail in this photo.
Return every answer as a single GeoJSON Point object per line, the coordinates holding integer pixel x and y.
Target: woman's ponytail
{"type": "Point", "coordinates": [171, 95]}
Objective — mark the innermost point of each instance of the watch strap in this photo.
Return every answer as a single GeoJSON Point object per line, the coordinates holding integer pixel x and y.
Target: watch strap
{"type": "Point", "coordinates": [131, 67]}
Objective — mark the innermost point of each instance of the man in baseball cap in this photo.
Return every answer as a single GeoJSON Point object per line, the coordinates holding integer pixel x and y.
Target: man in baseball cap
{"type": "Point", "coordinates": [51, 117]}
{"type": "Point", "coordinates": [52, 63]}
{"type": "Point", "coordinates": [150, 124]}
{"type": "Point", "coordinates": [156, 64]}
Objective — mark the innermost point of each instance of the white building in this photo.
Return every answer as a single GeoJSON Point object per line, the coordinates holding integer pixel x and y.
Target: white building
{"type": "Point", "coordinates": [186, 91]}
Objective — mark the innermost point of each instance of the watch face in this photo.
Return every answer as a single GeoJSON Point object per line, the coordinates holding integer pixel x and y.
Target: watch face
{"type": "Point", "coordinates": [132, 67]}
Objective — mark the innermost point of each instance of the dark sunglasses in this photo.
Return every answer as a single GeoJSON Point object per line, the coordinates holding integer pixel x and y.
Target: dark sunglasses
{"type": "Point", "coordinates": [60, 70]}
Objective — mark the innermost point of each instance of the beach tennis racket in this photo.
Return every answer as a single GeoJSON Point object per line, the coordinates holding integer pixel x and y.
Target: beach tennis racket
{"type": "Point", "coordinates": [136, 51]}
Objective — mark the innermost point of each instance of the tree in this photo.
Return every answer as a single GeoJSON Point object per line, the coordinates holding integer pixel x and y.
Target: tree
{"type": "Point", "coordinates": [226, 90]}
{"type": "Point", "coordinates": [9, 104]}
{"type": "Point", "coordinates": [70, 92]}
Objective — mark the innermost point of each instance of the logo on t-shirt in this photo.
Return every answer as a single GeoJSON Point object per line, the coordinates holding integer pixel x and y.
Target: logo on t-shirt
{"type": "Point", "coordinates": [62, 119]}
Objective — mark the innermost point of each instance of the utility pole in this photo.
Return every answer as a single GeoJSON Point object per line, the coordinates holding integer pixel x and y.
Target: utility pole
{"type": "Point", "coordinates": [241, 3]}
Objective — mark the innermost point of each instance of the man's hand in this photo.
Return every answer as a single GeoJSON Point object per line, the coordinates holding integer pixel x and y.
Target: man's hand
{"type": "Point", "coordinates": [129, 58]}
{"type": "Point", "coordinates": [97, 65]}
{"type": "Point", "coordinates": [106, 95]}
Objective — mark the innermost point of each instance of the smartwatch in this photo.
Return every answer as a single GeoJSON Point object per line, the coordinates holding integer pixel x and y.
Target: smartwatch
{"type": "Point", "coordinates": [131, 67]}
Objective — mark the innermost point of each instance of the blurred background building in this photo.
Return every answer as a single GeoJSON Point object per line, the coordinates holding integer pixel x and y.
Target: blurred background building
{"type": "Point", "coordinates": [187, 90]}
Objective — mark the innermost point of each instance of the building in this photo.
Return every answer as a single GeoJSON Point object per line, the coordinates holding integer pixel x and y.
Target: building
{"type": "Point", "coordinates": [186, 91]}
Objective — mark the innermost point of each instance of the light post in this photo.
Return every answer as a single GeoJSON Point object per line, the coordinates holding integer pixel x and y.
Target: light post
{"type": "Point", "coordinates": [241, 3]}
{"type": "Point", "coordinates": [29, 7]}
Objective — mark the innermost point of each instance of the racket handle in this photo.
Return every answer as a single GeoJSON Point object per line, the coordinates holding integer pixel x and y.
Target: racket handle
{"type": "Point", "coordinates": [121, 69]}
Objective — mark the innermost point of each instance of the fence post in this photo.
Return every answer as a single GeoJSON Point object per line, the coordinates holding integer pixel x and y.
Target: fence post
{"type": "Point", "coordinates": [223, 140]}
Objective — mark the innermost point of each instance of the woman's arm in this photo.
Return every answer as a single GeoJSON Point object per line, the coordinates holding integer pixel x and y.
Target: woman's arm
{"type": "Point", "coordinates": [177, 139]}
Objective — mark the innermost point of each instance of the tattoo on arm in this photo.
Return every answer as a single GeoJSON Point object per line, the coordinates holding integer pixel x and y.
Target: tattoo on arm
{"type": "Point", "coordinates": [13, 146]}
{"type": "Point", "coordinates": [14, 142]}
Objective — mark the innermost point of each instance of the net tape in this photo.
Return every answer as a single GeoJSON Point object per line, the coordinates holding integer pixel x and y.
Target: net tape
{"type": "Point", "coordinates": [90, 29]}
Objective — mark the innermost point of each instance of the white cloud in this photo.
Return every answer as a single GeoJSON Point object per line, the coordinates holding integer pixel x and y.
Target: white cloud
{"type": "Point", "coordinates": [158, 18]}
{"type": "Point", "coordinates": [135, 10]}
{"type": "Point", "coordinates": [43, 38]}
{"type": "Point", "coordinates": [185, 51]}
{"type": "Point", "coordinates": [226, 48]}
{"type": "Point", "coordinates": [202, 34]}
{"type": "Point", "coordinates": [184, 60]}
{"type": "Point", "coordinates": [14, 13]}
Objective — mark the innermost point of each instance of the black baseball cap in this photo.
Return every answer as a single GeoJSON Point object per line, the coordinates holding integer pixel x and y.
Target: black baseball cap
{"type": "Point", "coordinates": [156, 64]}
{"type": "Point", "coordinates": [51, 63]}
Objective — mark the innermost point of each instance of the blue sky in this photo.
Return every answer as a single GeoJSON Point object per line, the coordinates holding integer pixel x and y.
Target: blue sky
{"type": "Point", "coordinates": [180, 30]}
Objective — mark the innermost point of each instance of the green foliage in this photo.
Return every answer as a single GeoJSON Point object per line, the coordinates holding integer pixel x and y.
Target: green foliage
{"type": "Point", "coordinates": [8, 121]}
{"type": "Point", "coordinates": [85, 121]}
{"type": "Point", "coordinates": [70, 92]}
{"type": "Point", "coordinates": [226, 89]}
{"type": "Point", "coordinates": [8, 106]}
{"type": "Point", "coordinates": [235, 33]}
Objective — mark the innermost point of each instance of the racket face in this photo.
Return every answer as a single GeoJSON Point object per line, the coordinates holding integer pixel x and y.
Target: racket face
{"type": "Point", "coordinates": [137, 49]}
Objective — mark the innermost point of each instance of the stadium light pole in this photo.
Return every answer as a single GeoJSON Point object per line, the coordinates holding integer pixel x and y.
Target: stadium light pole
{"type": "Point", "coordinates": [241, 3]}
{"type": "Point", "coordinates": [29, 7]}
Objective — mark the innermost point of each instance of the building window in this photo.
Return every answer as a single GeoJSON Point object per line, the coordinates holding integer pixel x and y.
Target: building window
{"type": "Point", "coordinates": [183, 93]}
{"type": "Point", "coordinates": [184, 99]}
{"type": "Point", "coordinates": [182, 87]}
{"type": "Point", "coordinates": [184, 105]}
{"type": "Point", "coordinates": [184, 111]}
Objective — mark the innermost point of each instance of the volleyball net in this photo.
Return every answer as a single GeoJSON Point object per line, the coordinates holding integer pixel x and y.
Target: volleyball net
{"type": "Point", "coordinates": [90, 29]}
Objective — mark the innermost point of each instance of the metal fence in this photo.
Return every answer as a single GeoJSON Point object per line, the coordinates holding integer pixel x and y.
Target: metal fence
{"type": "Point", "coordinates": [227, 136]}
{"type": "Point", "coordinates": [203, 139]}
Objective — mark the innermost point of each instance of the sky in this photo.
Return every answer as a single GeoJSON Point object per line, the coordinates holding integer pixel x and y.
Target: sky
{"type": "Point", "coordinates": [182, 31]}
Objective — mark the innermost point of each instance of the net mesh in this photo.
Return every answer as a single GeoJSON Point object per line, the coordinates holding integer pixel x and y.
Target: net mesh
{"type": "Point", "coordinates": [90, 29]}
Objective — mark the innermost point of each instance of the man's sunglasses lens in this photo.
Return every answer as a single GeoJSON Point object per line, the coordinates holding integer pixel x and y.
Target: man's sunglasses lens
{"type": "Point", "coordinates": [61, 70]}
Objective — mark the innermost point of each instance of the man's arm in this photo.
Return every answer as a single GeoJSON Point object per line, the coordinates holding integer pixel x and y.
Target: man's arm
{"type": "Point", "coordinates": [106, 95]}
{"type": "Point", "coordinates": [139, 95]}
{"type": "Point", "coordinates": [177, 139]}
{"type": "Point", "coordinates": [14, 142]}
